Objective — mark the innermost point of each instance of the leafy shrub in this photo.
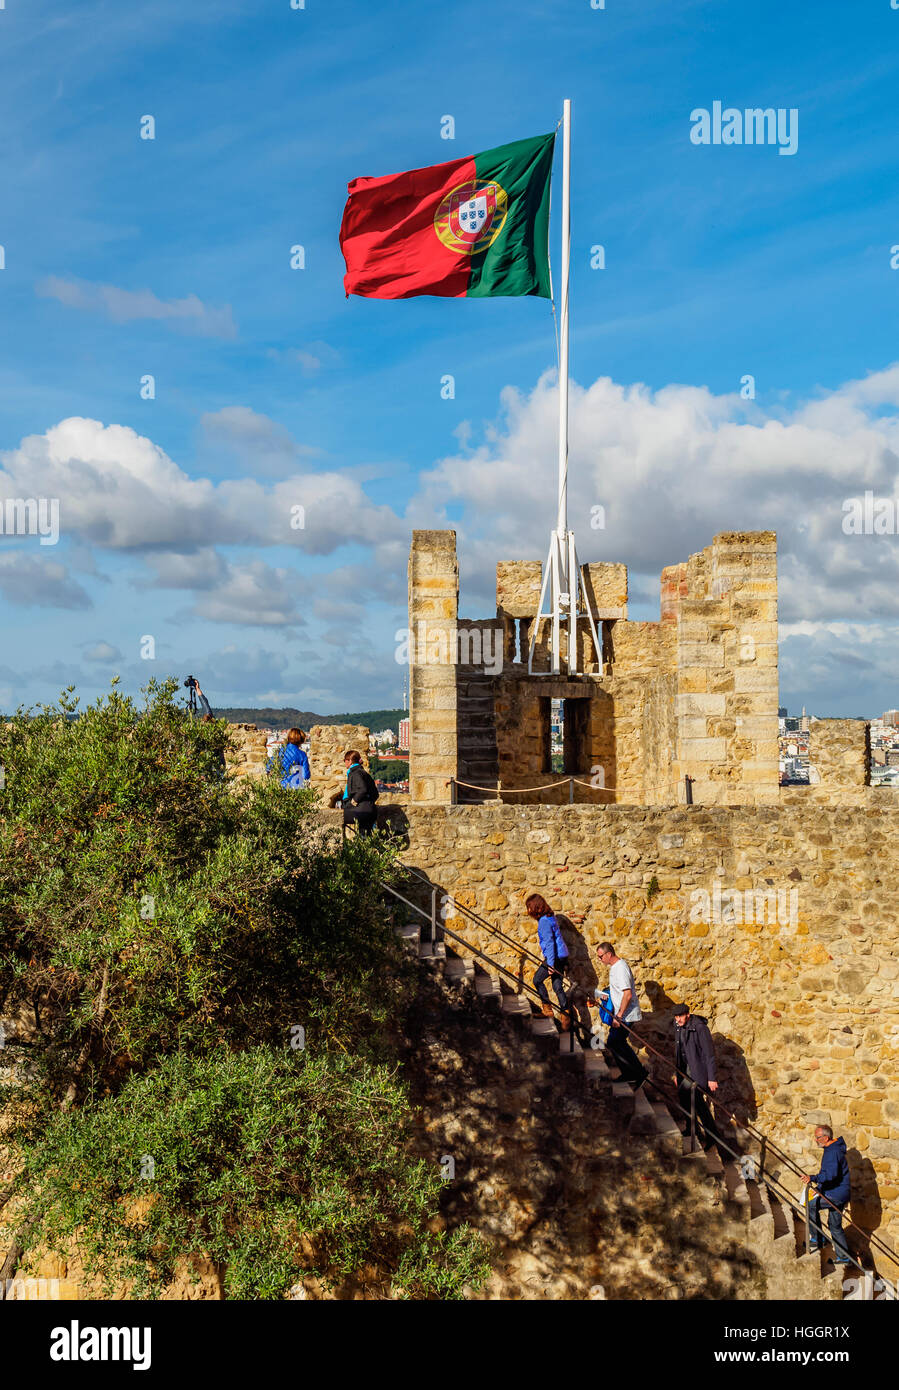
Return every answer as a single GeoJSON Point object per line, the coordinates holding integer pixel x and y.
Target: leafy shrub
{"type": "Point", "coordinates": [273, 1164]}
{"type": "Point", "coordinates": [164, 932]}
{"type": "Point", "coordinates": [146, 906]}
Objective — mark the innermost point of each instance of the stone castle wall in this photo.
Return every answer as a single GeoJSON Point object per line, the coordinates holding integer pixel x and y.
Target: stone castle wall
{"type": "Point", "coordinates": [780, 924]}
{"type": "Point", "coordinates": [694, 694]}
{"type": "Point", "coordinates": [248, 756]}
{"type": "Point", "coordinates": [433, 603]}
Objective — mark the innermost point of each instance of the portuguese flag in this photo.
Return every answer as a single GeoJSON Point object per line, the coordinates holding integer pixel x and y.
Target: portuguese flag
{"type": "Point", "coordinates": [474, 227]}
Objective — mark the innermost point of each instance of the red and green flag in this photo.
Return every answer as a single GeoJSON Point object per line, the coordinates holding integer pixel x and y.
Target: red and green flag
{"type": "Point", "coordinates": [474, 227]}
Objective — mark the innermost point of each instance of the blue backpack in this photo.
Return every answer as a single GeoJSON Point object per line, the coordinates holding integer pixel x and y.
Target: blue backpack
{"type": "Point", "coordinates": [606, 1009]}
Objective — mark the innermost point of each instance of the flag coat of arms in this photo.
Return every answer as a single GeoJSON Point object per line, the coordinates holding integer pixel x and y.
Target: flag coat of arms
{"type": "Point", "coordinates": [474, 227]}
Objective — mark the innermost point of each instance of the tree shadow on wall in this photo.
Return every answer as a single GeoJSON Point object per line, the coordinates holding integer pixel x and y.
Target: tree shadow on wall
{"type": "Point", "coordinates": [392, 820]}
{"type": "Point", "coordinates": [569, 1202]}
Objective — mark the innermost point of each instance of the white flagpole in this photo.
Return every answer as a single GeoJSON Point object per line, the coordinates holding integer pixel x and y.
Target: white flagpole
{"type": "Point", "coordinates": [562, 523]}
{"type": "Point", "coordinates": [560, 575]}
{"type": "Point", "coordinates": [562, 580]}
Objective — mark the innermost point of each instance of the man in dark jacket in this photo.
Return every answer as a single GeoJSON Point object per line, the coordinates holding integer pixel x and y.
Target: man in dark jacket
{"type": "Point", "coordinates": [695, 1062]}
{"type": "Point", "coordinates": [832, 1182]}
{"type": "Point", "coordinates": [360, 796]}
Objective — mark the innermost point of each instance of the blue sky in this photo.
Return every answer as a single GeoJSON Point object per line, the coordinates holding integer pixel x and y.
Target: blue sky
{"type": "Point", "coordinates": [126, 257]}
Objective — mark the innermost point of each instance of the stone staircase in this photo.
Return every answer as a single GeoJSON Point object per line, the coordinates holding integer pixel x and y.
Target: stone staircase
{"type": "Point", "coordinates": [478, 757]}
{"type": "Point", "coordinates": [768, 1228]}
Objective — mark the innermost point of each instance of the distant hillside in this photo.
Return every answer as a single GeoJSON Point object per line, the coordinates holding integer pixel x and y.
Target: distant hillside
{"type": "Point", "coordinates": [373, 719]}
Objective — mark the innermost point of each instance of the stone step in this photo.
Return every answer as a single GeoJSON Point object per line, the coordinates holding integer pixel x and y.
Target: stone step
{"type": "Point", "coordinates": [569, 1047]}
{"type": "Point", "coordinates": [703, 1162]}
{"type": "Point", "coordinates": [623, 1097]}
{"type": "Point", "coordinates": [432, 951]}
{"type": "Point", "coordinates": [825, 1280]}
{"type": "Point", "coordinates": [761, 1222]}
{"type": "Point", "coordinates": [410, 935]}
{"type": "Point", "coordinates": [666, 1127]}
{"type": "Point", "coordinates": [486, 985]}
{"type": "Point", "coordinates": [783, 1244]}
{"type": "Point", "coordinates": [829, 1287]}
{"type": "Point", "coordinates": [596, 1065]}
{"type": "Point", "coordinates": [542, 1027]}
{"type": "Point", "coordinates": [516, 1004]}
{"type": "Point", "coordinates": [643, 1120]}
{"type": "Point", "coordinates": [458, 969]}
{"type": "Point", "coordinates": [735, 1184]}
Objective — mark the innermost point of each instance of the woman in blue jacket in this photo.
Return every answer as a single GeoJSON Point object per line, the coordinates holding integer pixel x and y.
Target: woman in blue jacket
{"type": "Point", "coordinates": [291, 761]}
{"type": "Point", "coordinates": [555, 957]}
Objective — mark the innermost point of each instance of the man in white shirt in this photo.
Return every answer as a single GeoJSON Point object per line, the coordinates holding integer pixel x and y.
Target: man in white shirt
{"type": "Point", "coordinates": [623, 992]}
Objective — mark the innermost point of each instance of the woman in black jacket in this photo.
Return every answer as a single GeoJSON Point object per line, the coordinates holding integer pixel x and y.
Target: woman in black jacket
{"type": "Point", "coordinates": [360, 796]}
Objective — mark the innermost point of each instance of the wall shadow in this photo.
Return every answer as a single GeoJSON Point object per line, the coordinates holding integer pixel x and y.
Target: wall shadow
{"type": "Point", "coordinates": [865, 1209]}
{"type": "Point", "coordinates": [735, 1086]}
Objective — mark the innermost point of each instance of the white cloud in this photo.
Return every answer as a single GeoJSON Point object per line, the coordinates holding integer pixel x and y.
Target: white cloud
{"type": "Point", "coordinates": [119, 491]}
{"type": "Point", "coordinates": [265, 445]}
{"type": "Point", "coordinates": [311, 358]}
{"type": "Point", "coordinates": [34, 581]}
{"type": "Point", "coordinates": [253, 593]}
{"type": "Point", "coordinates": [102, 652]}
{"type": "Point", "coordinates": [121, 306]}
{"type": "Point", "coordinates": [673, 467]}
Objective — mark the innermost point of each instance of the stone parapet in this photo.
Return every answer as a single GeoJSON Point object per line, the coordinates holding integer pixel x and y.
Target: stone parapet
{"type": "Point", "coordinates": [328, 745]}
{"type": "Point", "coordinates": [839, 753]}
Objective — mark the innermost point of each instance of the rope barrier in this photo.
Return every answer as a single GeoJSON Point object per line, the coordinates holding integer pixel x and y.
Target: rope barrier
{"type": "Point", "coordinates": [516, 791]}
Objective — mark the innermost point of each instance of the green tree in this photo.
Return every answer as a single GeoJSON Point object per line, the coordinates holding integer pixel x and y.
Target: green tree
{"type": "Point", "coordinates": [273, 1164]}
{"type": "Point", "coordinates": [164, 934]}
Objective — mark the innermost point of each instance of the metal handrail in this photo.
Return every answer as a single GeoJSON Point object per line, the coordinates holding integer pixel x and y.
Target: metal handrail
{"type": "Point", "coordinates": [501, 969]}
{"type": "Point", "coordinates": [784, 1196]}
{"type": "Point", "coordinates": [766, 1144]}
{"type": "Point", "coordinates": [488, 926]}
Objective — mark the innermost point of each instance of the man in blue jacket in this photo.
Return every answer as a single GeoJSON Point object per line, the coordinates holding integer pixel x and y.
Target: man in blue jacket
{"type": "Point", "coordinates": [832, 1182]}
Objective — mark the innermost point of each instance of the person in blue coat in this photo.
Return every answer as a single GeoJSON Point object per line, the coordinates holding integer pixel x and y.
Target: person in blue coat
{"type": "Point", "coordinates": [832, 1182]}
{"type": "Point", "coordinates": [291, 761]}
{"type": "Point", "coordinates": [555, 957]}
